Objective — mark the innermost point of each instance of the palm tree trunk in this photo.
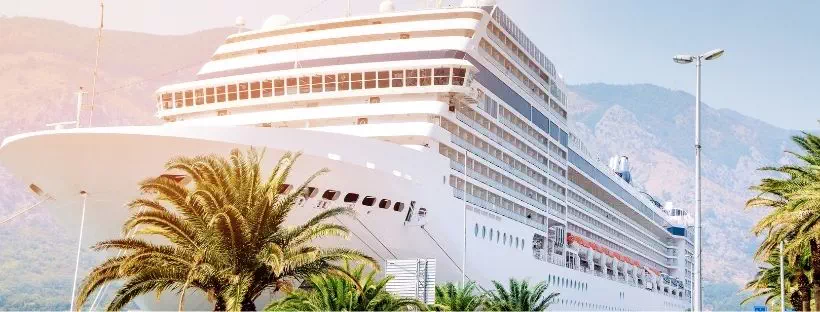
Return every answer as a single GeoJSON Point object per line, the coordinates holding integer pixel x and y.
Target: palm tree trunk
{"type": "Point", "coordinates": [795, 300]}
{"type": "Point", "coordinates": [805, 290]}
{"type": "Point", "coordinates": [220, 304]}
{"type": "Point", "coordinates": [182, 295]}
{"type": "Point", "coordinates": [248, 305]}
{"type": "Point", "coordinates": [815, 272]}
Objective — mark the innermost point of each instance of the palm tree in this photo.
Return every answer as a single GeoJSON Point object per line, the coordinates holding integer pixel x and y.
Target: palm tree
{"type": "Point", "coordinates": [795, 218]}
{"type": "Point", "coordinates": [519, 297]}
{"type": "Point", "coordinates": [350, 289]}
{"type": "Point", "coordinates": [766, 283]}
{"type": "Point", "coordinates": [453, 297]}
{"type": "Point", "coordinates": [223, 234]}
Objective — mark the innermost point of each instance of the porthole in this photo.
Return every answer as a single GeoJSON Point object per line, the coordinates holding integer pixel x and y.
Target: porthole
{"type": "Point", "coordinates": [476, 230]}
{"type": "Point", "coordinates": [311, 192]}
{"type": "Point", "coordinates": [483, 231]}
{"type": "Point", "coordinates": [398, 206]}
{"type": "Point", "coordinates": [384, 203]}
{"type": "Point", "coordinates": [331, 195]}
{"type": "Point", "coordinates": [368, 201]}
{"type": "Point", "coordinates": [491, 234]}
{"type": "Point", "coordinates": [351, 198]}
{"type": "Point", "coordinates": [505, 238]}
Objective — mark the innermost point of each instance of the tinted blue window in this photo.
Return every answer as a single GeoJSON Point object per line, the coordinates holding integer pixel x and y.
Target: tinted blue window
{"type": "Point", "coordinates": [540, 120]}
{"type": "Point", "coordinates": [555, 132]}
{"type": "Point", "coordinates": [679, 231]}
{"type": "Point", "coordinates": [564, 138]}
{"type": "Point", "coordinates": [502, 90]}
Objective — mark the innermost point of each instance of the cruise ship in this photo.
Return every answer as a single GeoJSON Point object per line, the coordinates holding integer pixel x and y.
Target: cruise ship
{"type": "Point", "coordinates": [446, 129]}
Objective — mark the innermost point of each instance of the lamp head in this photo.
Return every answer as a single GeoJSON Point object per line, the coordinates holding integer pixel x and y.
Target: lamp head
{"type": "Point", "coordinates": [714, 54]}
{"type": "Point", "coordinates": [683, 59]}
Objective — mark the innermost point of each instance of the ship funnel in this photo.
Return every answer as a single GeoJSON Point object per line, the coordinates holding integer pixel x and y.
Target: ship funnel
{"type": "Point", "coordinates": [620, 165]}
{"type": "Point", "coordinates": [623, 164]}
{"type": "Point", "coordinates": [613, 163]}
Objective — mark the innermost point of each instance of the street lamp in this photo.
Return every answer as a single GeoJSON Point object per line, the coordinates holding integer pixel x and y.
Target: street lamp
{"type": "Point", "coordinates": [686, 59]}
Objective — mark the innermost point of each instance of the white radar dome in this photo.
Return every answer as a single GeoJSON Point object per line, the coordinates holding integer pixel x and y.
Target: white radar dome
{"type": "Point", "coordinates": [275, 21]}
{"type": "Point", "coordinates": [386, 6]}
{"type": "Point", "coordinates": [477, 3]}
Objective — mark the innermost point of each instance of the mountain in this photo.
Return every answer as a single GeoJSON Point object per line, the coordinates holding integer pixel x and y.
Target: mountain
{"type": "Point", "coordinates": [654, 127]}
{"type": "Point", "coordinates": [42, 63]}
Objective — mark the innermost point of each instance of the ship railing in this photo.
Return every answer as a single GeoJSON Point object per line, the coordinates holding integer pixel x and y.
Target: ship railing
{"type": "Point", "coordinates": [494, 137]}
{"type": "Point", "coordinates": [517, 129]}
{"type": "Point", "coordinates": [504, 212]}
{"type": "Point", "coordinates": [520, 131]}
{"type": "Point", "coordinates": [458, 193]}
{"type": "Point", "coordinates": [512, 192]}
{"type": "Point", "coordinates": [513, 76]}
{"type": "Point", "coordinates": [501, 164]}
{"type": "Point", "coordinates": [614, 211]}
{"type": "Point", "coordinates": [457, 166]}
{"type": "Point", "coordinates": [546, 84]}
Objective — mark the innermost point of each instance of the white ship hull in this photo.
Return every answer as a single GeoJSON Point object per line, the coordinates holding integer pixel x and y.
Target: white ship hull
{"type": "Point", "coordinates": [108, 163]}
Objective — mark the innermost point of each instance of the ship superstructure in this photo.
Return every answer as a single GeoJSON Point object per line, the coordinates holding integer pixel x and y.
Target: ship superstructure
{"type": "Point", "coordinates": [445, 128]}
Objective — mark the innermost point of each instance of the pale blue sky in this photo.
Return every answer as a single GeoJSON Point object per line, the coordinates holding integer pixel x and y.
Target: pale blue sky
{"type": "Point", "coordinates": [770, 70]}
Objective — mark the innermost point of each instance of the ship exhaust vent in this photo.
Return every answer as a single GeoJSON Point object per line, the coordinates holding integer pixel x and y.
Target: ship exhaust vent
{"type": "Point", "coordinates": [412, 278]}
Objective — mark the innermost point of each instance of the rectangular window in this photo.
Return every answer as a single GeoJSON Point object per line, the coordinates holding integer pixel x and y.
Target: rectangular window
{"type": "Point", "coordinates": [279, 87]}
{"type": "Point", "coordinates": [166, 101]}
{"type": "Point", "coordinates": [243, 91]}
{"type": "Point", "coordinates": [384, 79]}
{"type": "Point", "coordinates": [426, 77]}
{"type": "Point", "coordinates": [398, 79]}
{"type": "Point", "coordinates": [267, 88]}
{"type": "Point", "coordinates": [291, 86]}
{"type": "Point", "coordinates": [232, 92]}
{"type": "Point", "coordinates": [210, 95]}
{"type": "Point", "coordinates": [220, 94]}
{"type": "Point", "coordinates": [369, 80]}
{"type": "Point", "coordinates": [344, 82]}
{"type": "Point", "coordinates": [411, 77]}
{"type": "Point", "coordinates": [189, 98]}
{"type": "Point", "coordinates": [316, 83]}
{"type": "Point", "coordinates": [255, 89]}
{"type": "Point", "coordinates": [330, 83]}
{"type": "Point", "coordinates": [442, 76]}
{"type": "Point", "coordinates": [199, 95]}
{"type": "Point", "coordinates": [458, 76]}
{"type": "Point", "coordinates": [355, 81]}
{"type": "Point", "coordinates": [304, 85]}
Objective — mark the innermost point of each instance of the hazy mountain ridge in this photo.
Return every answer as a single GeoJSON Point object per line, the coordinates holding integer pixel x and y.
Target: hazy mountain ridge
{"type": "Point", "coordinates": [654, 126]}
{"type": "Point", "coordinates": [43, 62]}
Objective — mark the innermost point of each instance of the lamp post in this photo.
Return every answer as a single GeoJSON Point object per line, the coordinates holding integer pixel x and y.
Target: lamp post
{"type": "Point", "coordinates": [686, 59]}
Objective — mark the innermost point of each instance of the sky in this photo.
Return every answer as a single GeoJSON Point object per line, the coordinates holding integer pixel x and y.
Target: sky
{"type": "Point", "coordinates": [770, 70]}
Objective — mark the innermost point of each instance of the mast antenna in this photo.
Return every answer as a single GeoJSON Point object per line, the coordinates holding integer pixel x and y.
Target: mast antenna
{"type": "Point", "coordinates": [96, 66]}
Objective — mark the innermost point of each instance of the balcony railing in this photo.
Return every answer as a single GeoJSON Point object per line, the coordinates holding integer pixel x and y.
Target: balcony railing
{"type": "Point", "coordinates": [512, 192]}
{"type": "Point", "coordinates": [503, 165]}
{"type": "Point", "coordinates": [458, 193]}
{"type": "Point", "coordinates": [457, 166]}
{"type": "Point", "coordinates": [504, 212]}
